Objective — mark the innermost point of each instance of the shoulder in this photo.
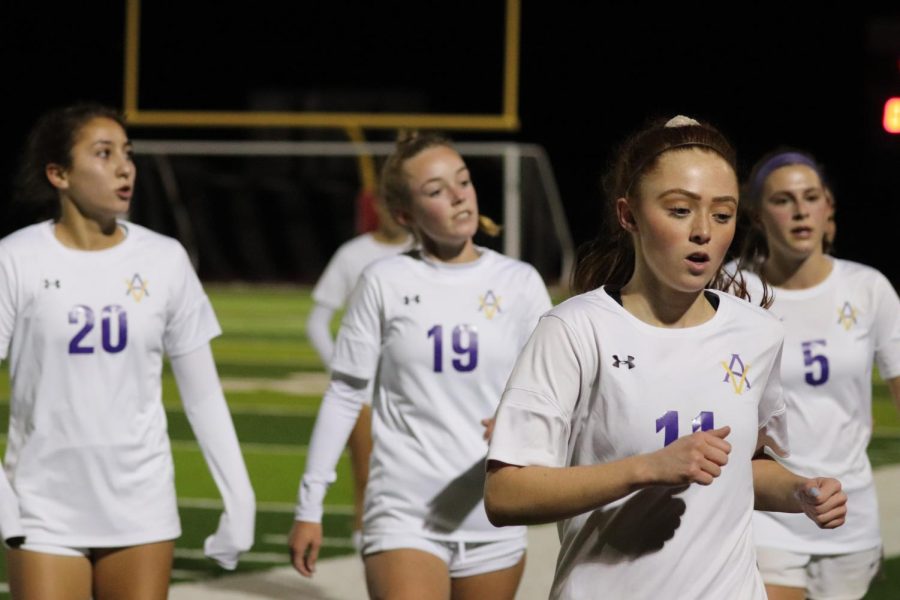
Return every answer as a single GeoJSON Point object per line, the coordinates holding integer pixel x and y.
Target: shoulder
{"type": "Point", "coordinates": [26, 239]}
{"type": "Point", "coordinates": [750, 315]}
{"type": "Point", "coordinates": [148, 240]}
{"type": "Point", "coordinates": [848, 270]}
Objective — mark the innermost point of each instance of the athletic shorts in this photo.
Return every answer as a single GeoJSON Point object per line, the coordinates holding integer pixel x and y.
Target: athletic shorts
{"type": "Point", "coordinates": [463, 559]}
{"type": "Point", "coordinates": [823, 576]}
{"type": "Point", "coordinates": [58, 550]}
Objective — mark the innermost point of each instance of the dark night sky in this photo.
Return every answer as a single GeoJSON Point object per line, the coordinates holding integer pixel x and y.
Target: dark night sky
{"type": "Point", "coordinates": [810, 77]}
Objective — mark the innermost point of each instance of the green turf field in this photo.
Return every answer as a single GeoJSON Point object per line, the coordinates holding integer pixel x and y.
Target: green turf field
{"type": "Point", "coordinates": [265, 343]}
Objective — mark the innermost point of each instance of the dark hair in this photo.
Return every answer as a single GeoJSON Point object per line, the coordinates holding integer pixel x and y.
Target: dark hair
{"type": "Point", "coordinates": [50, 141]}
{"type": "Point", "coordinates": [609, 258]}
{"type": "Point", "coordinates": [394, 184]}
{"type": "Point", "coordinates": [754, 248]}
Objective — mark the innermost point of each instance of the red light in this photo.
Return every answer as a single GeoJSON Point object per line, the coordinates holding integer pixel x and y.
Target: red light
{"type": "Point", "coordinates": [892, 115]}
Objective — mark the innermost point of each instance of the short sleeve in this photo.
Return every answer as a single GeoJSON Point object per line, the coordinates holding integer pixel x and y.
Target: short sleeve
{"type": "Point", "coordinates": [772, 411]}
{"type": "Point", "coordinates": [190, 319]}
{"type": "Point", "coordinates": [8, 301]}
{"type": "Point", "coordinates": [533, 420]}
{"type": "Point", "coordinates": [357, 348]}
{"type": "Point", "coordinates": [886, 328]}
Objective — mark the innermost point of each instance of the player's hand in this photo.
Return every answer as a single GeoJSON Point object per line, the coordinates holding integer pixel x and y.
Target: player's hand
{"type": "Point", "coordinates": [823, 501]}
{"type": "Point", "coordinates": [304, 543]}
{"type": "Point", "coordinates": [488, 428]}
{"type": "Point", "coordinates": [695, 458]}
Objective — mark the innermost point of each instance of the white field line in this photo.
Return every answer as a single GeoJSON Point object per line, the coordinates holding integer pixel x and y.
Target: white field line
{"type": "Point", "coordinates": [259, 557]}
{"type": "Point", "coordinates": [276, 507]}
{"type": "Point", "coordinates": [331, 542]}
{"type": "Point", "coordinates": [246, 447]}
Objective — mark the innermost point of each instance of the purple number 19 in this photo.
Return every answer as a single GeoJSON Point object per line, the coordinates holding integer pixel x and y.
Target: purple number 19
{"type": "Point", "coordinates": [465, 344]}
{"type": "Point", "coordinates": [669, 422]}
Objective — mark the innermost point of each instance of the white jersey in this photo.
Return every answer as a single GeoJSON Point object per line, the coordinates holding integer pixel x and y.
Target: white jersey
{"type": "Point", "coordinates": [594, 385]}
{"type": "Point", "coordinates": [834, 332]}
{"type": "Point", "coordinates": [342, 273]}
{"type": "Point", "coordinates": [442, 339]}
{"type": "Point", "coordinates": [88, 453]}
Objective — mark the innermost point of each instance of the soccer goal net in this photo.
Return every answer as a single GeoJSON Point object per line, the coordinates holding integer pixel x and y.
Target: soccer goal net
{"type": "Point", "coordinates": [271, 211]}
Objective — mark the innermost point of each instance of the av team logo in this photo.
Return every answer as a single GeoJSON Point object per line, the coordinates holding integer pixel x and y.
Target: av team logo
{"type": "Point", "coordinates": [489, 304]}
{"type": "Point", "coordinates": [736, 372]}
{"type": "Point", "coordinates": [847, 315]}
{"type": "Point", "coordinates": [137, 288]}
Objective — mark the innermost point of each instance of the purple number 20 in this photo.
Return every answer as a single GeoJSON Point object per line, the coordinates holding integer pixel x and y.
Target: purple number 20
{"type": "Point", "coordinates": [465, 344]}
{"type": "Point", "coordinates": [669, 422]}
{"type": "Point", "coordinates": [108, 314]}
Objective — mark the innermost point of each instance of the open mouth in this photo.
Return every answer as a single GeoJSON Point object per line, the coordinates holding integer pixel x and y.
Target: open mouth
{"type": "Point", "coordinates": [124, 192]}
{"type": "Point", "coordinates": [698, 261]}
{"type": "Point", "coordinates": [463, 214]}
{"type": "Point", "coordinates": [803, 232]}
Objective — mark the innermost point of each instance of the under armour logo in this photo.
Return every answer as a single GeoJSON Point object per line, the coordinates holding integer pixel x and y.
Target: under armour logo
{"type": "Point", "coordinates": [408, 299]}
{"type": "Point", "coordinates": [51, 283]}
{"type": "Point", "coordinates": [617, 361]}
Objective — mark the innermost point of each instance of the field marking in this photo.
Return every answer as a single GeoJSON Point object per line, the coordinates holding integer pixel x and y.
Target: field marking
{"type": "Point", "coordinates": [259, 557]}
{"type": "Point", "coordinates": [303, 383]}
{"type": "Point", "coordinates": [280, 539]}
{"type": "Point", "coordinates": [275, 507]}
{"type": "Point", "coordinates": [188, 574]}
{"type": "Point", "coordinates": [246, 447]}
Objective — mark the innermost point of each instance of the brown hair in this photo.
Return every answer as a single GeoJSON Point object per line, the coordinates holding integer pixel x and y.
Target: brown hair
{"type": "Point", "coordinates": [609, 258]}
{"type": "Point", "coordinates": [394, 184]}
{"type": "Point", "coordinates": [50, 141]}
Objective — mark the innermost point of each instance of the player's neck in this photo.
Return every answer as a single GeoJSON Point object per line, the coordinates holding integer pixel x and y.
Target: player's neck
{"type": "Point", "coordinates": [797, 273]}
{"type": "Point", "coordinates": [659, 305]}
{"type": "Point", "coordinates": [451, 253]}
{"type": "Point", "coordinates": [74, 230]}
{"type": "Point", "coordinates": [392, 238]}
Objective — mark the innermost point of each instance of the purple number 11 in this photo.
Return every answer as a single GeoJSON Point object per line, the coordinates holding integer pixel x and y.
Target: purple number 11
{"type": "Point", "coordinates": [669, 423]}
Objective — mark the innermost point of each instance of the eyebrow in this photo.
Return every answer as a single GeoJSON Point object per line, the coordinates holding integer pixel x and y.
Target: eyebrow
{"type": "Point", "coordinates": [458, 171]}
{"type": "Point", "coordinates": [695, 196]}
{"type": "Point", "coordinates": [110, 143]}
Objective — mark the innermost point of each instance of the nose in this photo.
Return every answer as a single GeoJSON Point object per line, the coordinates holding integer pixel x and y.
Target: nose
{"type": "Point", "coordinates": [800, 211]}
{"type": "Point", "coordinates": [457, 194]}
{"type": "Point", "coordinates": [125, 168]}
{"type": "Point", "coordinates": [700, 229]}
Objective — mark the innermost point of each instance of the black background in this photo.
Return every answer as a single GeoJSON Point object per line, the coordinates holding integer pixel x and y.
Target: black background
{"type": "Point", "coordinates": [814, 76]}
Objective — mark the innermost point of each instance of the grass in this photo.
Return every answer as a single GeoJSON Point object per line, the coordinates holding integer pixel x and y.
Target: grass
{"type": "Point", "coordinates": [265, 338]}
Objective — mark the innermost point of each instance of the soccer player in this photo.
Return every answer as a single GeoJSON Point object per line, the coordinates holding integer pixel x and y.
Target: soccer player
{"type": "Point", "coordinates": [636, 408]}
{"type": "Point", "coordinates": [437, 329]}
{"type": "Point", "coordinates": [330, 295]}
{"type": "Point", "coordinates": [840, 317]}
{"type": "Point", "coordinates": [89, 304]}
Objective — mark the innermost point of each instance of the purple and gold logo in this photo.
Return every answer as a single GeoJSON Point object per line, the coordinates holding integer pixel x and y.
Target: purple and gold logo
{"type": "Point", "coordinates": [489, 304]}
{"type": "Point", "coordinates": [736, 372]}
{"type": "Point", "coordinates": [137, 288]}
{"type": "Point", "coordinates": [847, 315]}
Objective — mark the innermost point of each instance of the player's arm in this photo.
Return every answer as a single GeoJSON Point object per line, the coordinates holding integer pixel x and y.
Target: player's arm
{"type": "Point", "coordinates": [340, 408]}
{"type": "Point", "coordinates": [894, 387]}
{"type": "Point", "coordinates": [206, 410]}
{"type": "Point", "coordinates": [318, 330]}
{"type": "Point", "coordinates": [525, 495]}
{"type": "Point", "coordinates": [777, 489]}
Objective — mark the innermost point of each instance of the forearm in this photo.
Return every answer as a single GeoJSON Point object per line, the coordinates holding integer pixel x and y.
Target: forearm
{"type": "Point", "coordinates": [337, 415]}
{"type": "Point", "coordinates": [318, 330]}
{"type": "Point", "coordinates": [775, 488]}
{"type": "Point", "coordinates": [207, 411]}
{"type": "Point", "coordinates": [894, 387]}
{"type": "Point", "coordinates": [529, 495]}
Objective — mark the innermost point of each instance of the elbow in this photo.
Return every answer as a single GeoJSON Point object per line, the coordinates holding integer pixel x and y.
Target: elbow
{"type": "Point", "coordinates": [500, 511]}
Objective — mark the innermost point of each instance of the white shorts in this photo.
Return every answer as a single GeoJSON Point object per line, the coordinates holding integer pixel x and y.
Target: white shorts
{"type": "Point", "coordinates": [463, 559]}
{"type": "Point", "coordinates": [823, 576]}
{"type": "Point", "coordinates": [58, 550]}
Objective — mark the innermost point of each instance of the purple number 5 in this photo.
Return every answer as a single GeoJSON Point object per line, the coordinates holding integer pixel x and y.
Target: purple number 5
{"type": "Point", "coordinates": [810, 359]}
